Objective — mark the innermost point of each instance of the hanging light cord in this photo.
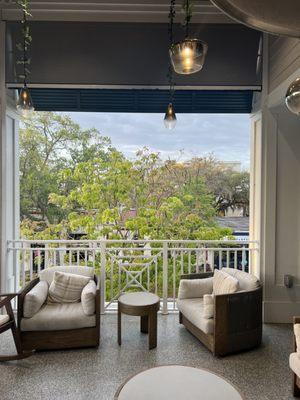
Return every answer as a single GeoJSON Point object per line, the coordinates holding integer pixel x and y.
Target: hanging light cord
{"type": "Point", "coordinates": [188, 17]}
{"type": "Point", "coordinates": [172, 15]}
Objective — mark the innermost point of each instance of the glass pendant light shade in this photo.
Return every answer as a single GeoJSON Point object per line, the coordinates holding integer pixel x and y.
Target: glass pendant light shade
{"type": "Point", "coordinates": [188, 56]}
{"type": "Point", "coordinates": [292, 98]}
{"type": "Point", "coordinates": [170, 117]}
{"type": "Point", "coordinates": [24, 103]}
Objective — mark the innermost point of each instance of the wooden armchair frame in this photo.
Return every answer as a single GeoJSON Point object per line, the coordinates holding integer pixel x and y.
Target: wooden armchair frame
{"type": "Point", "coordinates": [5, 301]}
{"type": "Point", "coordinates": [61, 339]}
{"type": "Point", "coordinates": [238, 321]}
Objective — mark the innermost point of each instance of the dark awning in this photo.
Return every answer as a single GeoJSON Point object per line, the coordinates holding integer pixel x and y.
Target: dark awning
{"type": "Point", "coordinates": [141, 100]}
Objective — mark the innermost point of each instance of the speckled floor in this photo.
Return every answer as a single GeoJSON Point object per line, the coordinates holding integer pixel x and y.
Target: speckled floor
{"type": "Point", "coordinates": [96, 374]}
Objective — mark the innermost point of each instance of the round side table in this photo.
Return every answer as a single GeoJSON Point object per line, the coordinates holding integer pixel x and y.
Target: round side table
{"type": "Point", "coordinates": [144, 305]}
{"type": "Point", "coordinates": [177, 382]}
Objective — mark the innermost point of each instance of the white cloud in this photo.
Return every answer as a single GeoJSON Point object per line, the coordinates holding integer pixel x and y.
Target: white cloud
{"type": "Point", "coordinates": [227, 136]}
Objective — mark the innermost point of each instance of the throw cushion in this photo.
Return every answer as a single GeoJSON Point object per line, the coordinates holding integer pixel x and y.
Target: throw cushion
{"type": "Point", "coordinates": [88, 296]}
{"type": "Point", "coordinates": [246, 281]}
{"type": "Point", "coordinates": [297, 336]}
{"type": "Point", "coordinates": [48, 273]}
{"type": "Point", "coordinates": [34, 299]}
{"type": "Point", "coordinates": [66, 288]}
{"type": "Point", "coordinates": [208, 306]}
{"type": "Point", "coordinates": [193, 288]}
{"type": "Point", "coordinates": [224, 283]}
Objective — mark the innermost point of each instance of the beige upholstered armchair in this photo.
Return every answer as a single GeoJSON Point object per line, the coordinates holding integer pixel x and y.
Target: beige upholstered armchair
{"type": "Point", "coordinates": [223, 310]}
{"type": "Point", "coordinates": [295, 358]}
{"type": "Point", "coordinates": [46, 322]}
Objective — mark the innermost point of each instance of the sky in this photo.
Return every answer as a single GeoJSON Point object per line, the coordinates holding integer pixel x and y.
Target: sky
{"type": "Point", "coordinates": [226, 136]}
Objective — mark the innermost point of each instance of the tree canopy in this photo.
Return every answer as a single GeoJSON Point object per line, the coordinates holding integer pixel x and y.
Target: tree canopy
{"type": "Point", "coordinates": [74, 180]}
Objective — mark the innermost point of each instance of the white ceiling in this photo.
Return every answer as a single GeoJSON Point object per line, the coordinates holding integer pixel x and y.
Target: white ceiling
{"type": "Point", "coordinates": [111, 11]}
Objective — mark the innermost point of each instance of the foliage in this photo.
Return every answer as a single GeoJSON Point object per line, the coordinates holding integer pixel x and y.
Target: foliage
{"type": "Point", "coordinates": [24, 46]}
{"type": "Point", "coordinates": [75, 181]}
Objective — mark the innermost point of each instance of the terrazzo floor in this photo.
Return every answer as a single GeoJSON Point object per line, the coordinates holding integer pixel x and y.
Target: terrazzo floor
{"type": "Point", "coordinates": [261, 374]}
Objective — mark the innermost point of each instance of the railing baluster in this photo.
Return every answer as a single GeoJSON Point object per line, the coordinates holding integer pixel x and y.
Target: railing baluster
{"type": "Point", "coordinates": [165, 278]}
{"type": "Point", "coordinates": [174, 279]}
{"type": "Point", "coordinates": [220, 259]}
{"type": "Point", "coordinates": [227, 259]}
{"type": "Point", "coordinates": [243, 258]}
{"type": "Point", "coordinates": [102, 276]}
{"type": "Point", "coordinates": [235, 259]}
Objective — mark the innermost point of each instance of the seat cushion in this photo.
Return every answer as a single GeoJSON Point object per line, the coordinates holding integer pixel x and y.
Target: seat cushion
{"type": "Point", "coordinates": [34, 299]}
{"type": "Point", "coordinates": [192, 309]}
{"type": "Point", "coordinates": [88, 298]}
{"type": "Point", "coordinates": [67, 288]}
{"type": "Point", "coordinates": [3, 319]}
{"type": "Point", "coordinates": [56, 316]}
{"type": "Point", "coordinates": [246, 281]}
{"type": "Point", "coordinates": [194, 288]}
{"type": "Point", "coordinates": [224, 283]}
{"type": "Point", "coordinates": [48, 273]}
{"type": "Point", "coordinates": [295, 363]}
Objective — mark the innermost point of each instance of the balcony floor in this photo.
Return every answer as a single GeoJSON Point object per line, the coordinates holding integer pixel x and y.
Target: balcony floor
{"type": "Point", "coordinates": [261, 374]}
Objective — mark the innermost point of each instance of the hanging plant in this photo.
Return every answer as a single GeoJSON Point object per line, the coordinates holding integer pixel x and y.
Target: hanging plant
{"type": "Point", "coordinates": [24, 45]}
{"type": "Point", "coordinates": [24, 102]}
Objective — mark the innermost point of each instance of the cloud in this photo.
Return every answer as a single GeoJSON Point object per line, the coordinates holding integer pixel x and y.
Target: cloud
{"type": "Point", "coordinates": [227, 136]}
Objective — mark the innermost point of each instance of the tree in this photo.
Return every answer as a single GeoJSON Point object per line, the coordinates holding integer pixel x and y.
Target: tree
{"type": "Point", "coordinates": [51, 142]}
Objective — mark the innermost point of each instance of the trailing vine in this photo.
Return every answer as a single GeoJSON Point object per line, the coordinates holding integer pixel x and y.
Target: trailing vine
{"type": "Point", "coordinates": [24, 45]}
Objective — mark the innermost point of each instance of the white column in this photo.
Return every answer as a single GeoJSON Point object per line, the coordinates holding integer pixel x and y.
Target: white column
{"type": "Point", "coordinates": [2, 159]}
{"type": "Point", "coordinates": [9, 178]}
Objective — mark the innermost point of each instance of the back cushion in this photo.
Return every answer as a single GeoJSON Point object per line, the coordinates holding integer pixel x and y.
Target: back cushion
{"type": "Point", "coordinates": [66, 288]}
{"type": "Point", "coordinates": [34, 299]}
{"type": "Point", "coordinates": [224, 283]}
{"type": "Point", "coordinates": [48, 273]}
{"type": "Point", "coordinates": [246, 281]}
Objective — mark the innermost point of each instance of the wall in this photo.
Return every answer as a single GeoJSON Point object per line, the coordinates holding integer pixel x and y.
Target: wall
{"type": "Point", "coordinates": [284, 59]}
{"type": "Point", "coordinates": [280, 184]}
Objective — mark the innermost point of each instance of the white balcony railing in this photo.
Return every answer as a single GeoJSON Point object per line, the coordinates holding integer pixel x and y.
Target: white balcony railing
{"type": "Point", "coordinates": [149, 265]}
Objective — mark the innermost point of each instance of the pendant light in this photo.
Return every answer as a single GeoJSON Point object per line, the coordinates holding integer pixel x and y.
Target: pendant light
{"type": "Point", "coordinates": [170, 119]}
{"type": "Point", "coordinates": [292, 98]}
{"type": "Point", "coordinates": [24, 102]}
{"type": "Point", "coordinates": [188, 56]}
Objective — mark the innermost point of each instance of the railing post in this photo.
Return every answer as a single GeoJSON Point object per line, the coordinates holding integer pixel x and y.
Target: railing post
{"type": "Point", "coordinates": [102, 276]}
{"type": "Point", "coordinates": [165, 278]}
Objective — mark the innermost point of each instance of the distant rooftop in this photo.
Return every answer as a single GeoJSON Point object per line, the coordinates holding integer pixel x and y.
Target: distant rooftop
{"type": "Point", "coordinates": [237, 224]}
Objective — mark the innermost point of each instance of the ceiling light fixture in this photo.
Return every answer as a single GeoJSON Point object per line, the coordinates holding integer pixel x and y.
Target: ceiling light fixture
{"type": "Point", "coordinates": [292, 98]}
{"type": "Point", "coordinates": [188, 56]}
{"type": "Point", "coordinates": [170, 119]}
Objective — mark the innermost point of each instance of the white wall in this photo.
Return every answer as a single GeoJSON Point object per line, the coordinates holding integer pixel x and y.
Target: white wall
{"type": "Point", "coordinates": [280, 185]}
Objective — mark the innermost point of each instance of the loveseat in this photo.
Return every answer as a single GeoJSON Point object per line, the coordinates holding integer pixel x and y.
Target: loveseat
{"type": "Point", "coordinates": [226, 320]}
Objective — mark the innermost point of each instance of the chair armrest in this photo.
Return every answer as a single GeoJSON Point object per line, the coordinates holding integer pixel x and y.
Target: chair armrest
{"type": "Point", "coordinates": [7, 298]}
{"type": "Point", "coordinates": [201, 275]}
{"type": "Point", "coordinates": [238, 320]}
{"type": "Point", "coordinates": [22, 295]}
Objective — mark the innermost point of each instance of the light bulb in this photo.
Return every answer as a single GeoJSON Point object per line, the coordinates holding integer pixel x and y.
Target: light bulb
{"type": "Point", "coordinates": [170, 117]}
{"type": "Point", "coordinates": [24, 103]}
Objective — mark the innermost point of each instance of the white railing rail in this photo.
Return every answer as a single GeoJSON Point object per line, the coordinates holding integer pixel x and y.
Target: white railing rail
{"type": "Point", "coordinates": [121, 265]}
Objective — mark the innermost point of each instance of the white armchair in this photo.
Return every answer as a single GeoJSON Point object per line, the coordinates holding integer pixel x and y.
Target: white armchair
{"type": "Point", "coordinates": [44, 324]}
{"type": "Point", "coordinates": [223, 310]}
